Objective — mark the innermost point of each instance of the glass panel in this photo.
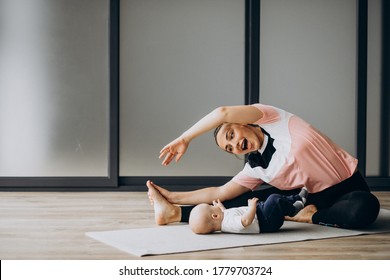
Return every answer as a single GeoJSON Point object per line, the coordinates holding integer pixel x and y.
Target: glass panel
{"type": "Point", "coordinates": [179, 60]}
{"type": "Point", "coordinates": [308, 63]}
{"type": "Point", "coordinates": [54, 88]}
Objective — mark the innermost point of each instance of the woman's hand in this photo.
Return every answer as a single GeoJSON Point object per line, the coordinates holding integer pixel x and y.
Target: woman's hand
{"type": "Point", "coordinates": [176, 148]}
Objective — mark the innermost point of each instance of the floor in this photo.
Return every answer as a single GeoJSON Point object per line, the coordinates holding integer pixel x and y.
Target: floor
{"type": "Point", "coordinates": [52, 226]}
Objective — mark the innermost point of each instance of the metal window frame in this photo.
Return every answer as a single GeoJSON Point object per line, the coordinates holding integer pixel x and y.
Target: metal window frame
{"type": "Point", "coordinates": [381, 182]}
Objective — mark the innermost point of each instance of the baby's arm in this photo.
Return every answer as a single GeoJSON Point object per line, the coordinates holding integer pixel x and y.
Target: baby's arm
{"type": "Point", "coordinates": [248, 217]}
{"type": "Point", "coordinates": [219, 204]}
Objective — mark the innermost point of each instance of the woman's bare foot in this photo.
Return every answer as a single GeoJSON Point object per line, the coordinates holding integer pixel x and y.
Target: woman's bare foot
{"type": "Point", "coordinates": [164, 212]}
{"type": "Point", "coordinates": [304, 216]}
{"type": "Point", "coordinates": [165, 193]}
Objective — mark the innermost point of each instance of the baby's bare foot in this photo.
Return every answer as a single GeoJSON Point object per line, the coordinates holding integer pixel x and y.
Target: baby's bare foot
{"type": "Point", "coordinates": [304, 216]}
{"type": "Point", "coordinates": [164, 212]}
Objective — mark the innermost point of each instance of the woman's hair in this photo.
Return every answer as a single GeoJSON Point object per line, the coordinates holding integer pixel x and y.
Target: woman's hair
{"type": "Point", "coordinates": [217, 129]}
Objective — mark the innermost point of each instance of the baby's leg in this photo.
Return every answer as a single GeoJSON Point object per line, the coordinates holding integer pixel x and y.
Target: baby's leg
{"type": "Point", "coordinates": [298, 200]}
{"type": "Point", "coordinates": [271, 212]}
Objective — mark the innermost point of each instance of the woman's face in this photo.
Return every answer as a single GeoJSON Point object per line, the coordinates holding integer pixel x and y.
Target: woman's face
{"type": "Point", "coordinates": [238, 139]}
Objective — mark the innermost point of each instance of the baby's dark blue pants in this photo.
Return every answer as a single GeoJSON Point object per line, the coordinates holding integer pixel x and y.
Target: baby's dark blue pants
{"type": "Point", "coordinates": [272, 211]}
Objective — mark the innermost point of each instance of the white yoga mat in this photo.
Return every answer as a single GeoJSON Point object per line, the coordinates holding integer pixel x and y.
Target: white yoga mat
{"type": "Point", "coordinates": [178, 238]}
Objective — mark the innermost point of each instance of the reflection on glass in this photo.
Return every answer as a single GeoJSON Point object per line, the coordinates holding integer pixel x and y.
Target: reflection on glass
{"type": "Point", "coordinates": [54, 88]}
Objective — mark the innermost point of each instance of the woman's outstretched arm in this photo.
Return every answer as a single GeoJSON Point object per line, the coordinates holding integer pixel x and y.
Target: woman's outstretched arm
{"type": "Point", "coordinates": [243, 114]}
{"type": "Point", "coordinates": [227, 191]}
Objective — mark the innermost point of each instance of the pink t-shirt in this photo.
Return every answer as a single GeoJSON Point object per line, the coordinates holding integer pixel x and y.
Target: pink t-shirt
{"type": "Point", "coordinates": [301, 155]}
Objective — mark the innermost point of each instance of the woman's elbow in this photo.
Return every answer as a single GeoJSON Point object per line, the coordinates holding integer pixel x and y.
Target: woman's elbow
{"type": "Point", "coordinates": [222, 111]}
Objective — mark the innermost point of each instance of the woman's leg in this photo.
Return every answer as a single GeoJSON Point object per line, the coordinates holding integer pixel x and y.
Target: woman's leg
{"type": "Point", "coordinates": [356, 209]}
{"type": "Point", "coordinates": [185, 213]}
{"type": "Point", "coordinates": [349, 204]}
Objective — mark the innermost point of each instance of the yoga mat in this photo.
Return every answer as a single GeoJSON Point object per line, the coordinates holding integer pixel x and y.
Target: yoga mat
{"type": "Point", "coordinates": [178, 238]}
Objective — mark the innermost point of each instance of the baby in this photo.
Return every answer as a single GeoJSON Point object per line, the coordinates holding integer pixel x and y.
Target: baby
{"type": "Point", "coordinates": [267, 216]}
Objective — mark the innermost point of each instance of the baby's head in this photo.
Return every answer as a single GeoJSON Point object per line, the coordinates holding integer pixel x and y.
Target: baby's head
{"type": "Point", "coordinates": [205, 218]}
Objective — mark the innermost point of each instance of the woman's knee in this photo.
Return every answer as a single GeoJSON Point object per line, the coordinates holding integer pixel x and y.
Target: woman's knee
{"type": "Point", "coordinates": [364, 210]}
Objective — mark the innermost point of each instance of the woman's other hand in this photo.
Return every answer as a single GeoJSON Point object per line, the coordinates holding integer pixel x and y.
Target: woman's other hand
{"type": "Point", "coordinates": [174, 150]}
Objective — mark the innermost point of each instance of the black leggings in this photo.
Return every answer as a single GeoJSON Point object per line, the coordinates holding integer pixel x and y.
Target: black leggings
{"type": "Point", "coordinates": [349, 204]}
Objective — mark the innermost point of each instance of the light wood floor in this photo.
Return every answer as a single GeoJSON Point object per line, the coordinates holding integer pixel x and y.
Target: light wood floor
{"type": "Point", "coordinates": [52, 225]}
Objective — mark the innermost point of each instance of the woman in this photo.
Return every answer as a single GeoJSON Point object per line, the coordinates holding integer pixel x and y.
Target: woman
{"type": "Point", "coordinates": [283, 151]}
